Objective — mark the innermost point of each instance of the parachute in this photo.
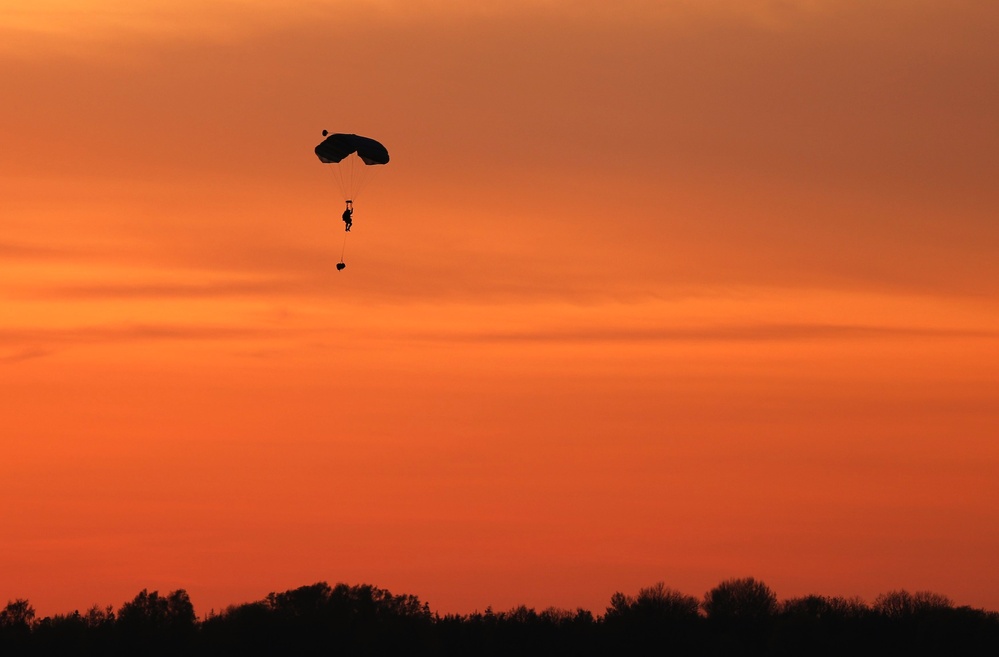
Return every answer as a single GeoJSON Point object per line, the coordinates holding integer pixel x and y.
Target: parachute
{"type": "Point", "coordinates": [350, 159]}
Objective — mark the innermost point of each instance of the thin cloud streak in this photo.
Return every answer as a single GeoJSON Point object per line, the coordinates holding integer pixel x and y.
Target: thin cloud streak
{"type": "Point", "coordinates": [127, 333]}
{"type": "Point", "coordinates": [165, 290]}
{"type": "Point", "coordinates": [14, 250]}
{"type": "Point", "coordinates": [25, 354]}
{"type": "Point", "coordinates": [745, 333]}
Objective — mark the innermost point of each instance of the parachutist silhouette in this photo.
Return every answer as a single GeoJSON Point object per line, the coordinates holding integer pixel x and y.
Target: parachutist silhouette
{"type": "Point", "coordinates": [345, 152]}
{"type": "Point", "coordinates": [348, 216]}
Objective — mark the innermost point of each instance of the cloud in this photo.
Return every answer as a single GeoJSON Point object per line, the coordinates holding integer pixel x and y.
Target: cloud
{"type": "Point", "coordinates": [29, 343]}
{"type": "Point", "coordinates": [138, 291]}
{"type": "Point", "coordinates": [27, 353]}
{"type": "Point", "coordinates": [20, 251]}
{"type": "Point", "coordinates": [732, 333]}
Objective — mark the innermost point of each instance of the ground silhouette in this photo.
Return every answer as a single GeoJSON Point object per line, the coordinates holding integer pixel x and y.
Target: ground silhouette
{"type": "Point", "coordinates": [737, 617]}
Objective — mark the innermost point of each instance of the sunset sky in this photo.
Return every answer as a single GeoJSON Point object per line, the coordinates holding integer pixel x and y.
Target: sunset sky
{"type": "Point", "coordinates": [651, 290]}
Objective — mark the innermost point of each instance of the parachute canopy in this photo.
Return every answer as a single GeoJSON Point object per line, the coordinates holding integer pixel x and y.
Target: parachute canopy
{"type": "Point", "coordinates": [337, 146]}
{"type": "Point", "coordinates": [348, 159]}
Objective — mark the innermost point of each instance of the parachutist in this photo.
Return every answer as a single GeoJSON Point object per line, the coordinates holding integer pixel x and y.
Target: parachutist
{"type": "Point", "coordinates": [348, 216]}
{"type": "Point", "coordinates": [349, 157]}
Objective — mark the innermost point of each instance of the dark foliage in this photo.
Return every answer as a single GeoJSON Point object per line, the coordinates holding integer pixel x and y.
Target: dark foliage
{"type": "Point", "coordinates": [738, 617]}
{"type": "Point", "coordinates": [657, 620]}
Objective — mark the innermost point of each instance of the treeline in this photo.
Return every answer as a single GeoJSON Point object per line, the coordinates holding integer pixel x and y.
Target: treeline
{"type": "Point", "coordinates": [737, 617]}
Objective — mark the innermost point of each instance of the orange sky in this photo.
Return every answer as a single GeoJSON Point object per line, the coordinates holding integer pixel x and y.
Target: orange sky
{"type": "Point", "coordinates": [672, 291]}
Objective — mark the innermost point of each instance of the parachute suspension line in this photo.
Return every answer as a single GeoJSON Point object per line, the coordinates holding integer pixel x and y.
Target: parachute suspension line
{"type": "Point", "coordinates": [365, 173]}
{"type": "Point", "coordinates": [336, 175]}
{"type": "Point", "coordinates": [345, 169]}
{"type": "Point", "coordinates": [359, 174]}
{"type": "Point", "coordinates": [341, 172]}
{"type": "Point", "coordinates": [352, 186]}
{"type": "Point", "coordinates": [334, 172]}
{"type": "Point", "coordinates": [351, 176]}
{"type": "Point", "coordinates": [343, 249]}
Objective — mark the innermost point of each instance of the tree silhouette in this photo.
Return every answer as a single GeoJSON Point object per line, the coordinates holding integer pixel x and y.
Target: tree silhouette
{"type": "Point", "coordinates": [153, 611]}
{"type": "Point", "coordinates": [153, 624]}
{"type": "Point", "coordinates": [658, 618]}
{"type": "Point", "coordinates": [17, 615]}
{"type": "Point", "coordinates": [741, 613]}
{"type": "Point", "coordinates": [817, 625]}
{"type": "Point", "coordinates": [16, 620]}
{"type": "Point", "coordinates": [925, 622]}
{"type": "Point", "coordinates": [740, 600]}
{"type": "Point", "coordinates": [342, 620]}
{"type": "Point", "coordinates": [741, 617]}
{"type": "Point", "coordinates": [902, 604]}
{"type": "Point", "coordinates": [819, 608]}
{"type": "Point", "coordinates": [657, 603]}
{"type": "Point", "coordinates": [97, 618]}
